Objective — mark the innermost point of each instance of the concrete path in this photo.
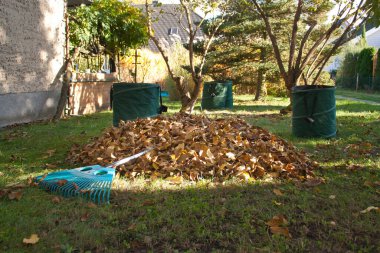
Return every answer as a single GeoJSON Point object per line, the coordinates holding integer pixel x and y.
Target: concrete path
{"type": "Point", "coordinates": [357, 99]}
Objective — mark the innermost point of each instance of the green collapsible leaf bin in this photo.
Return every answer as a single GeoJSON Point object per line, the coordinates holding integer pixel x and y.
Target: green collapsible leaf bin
{"type": "Point", "coordinates": [217, 95]}
{"type": "Point", "coordinates": [314, 111]}
{"type": "Point", "coordinates": [135, 100]}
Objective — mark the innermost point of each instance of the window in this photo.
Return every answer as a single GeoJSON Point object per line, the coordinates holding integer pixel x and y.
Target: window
{"type": "Point", "coordinates": [173, 30]}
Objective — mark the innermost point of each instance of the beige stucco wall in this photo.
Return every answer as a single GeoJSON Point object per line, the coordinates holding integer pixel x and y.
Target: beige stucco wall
{"type": "Point", "coordinates": [32, 38]}
{"type": "Point", "coordinates": [90, 93]}
{"type": "Point", "coordinates": [31, 44]}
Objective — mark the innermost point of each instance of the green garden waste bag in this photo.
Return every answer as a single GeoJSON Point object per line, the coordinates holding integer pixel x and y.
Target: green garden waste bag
{"type": "Point", "coordinates": [135, 100]}
{"type": "Point", "coordinates": [314, 111]}
{"type": "Point", "coordinates": [217, 95]}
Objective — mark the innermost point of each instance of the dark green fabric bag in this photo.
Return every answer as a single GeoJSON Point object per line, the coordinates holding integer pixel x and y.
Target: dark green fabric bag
{"type": "Point", "coordinates": [130, 101]}
{"type": "Point", "coordinates": [217, 95]}
{"type": "Point", "coordinates": [314, 111]}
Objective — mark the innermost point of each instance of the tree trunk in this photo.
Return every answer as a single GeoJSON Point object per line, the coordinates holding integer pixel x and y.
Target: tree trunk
{"type": "Point", "coordinates": [64, 92]}
{"type": "Point", "coordinates": [261, 89]}
{"type": "Point", "coordinates": [189, 104]}
{"type": "Point", "coordinates": [66, 68]}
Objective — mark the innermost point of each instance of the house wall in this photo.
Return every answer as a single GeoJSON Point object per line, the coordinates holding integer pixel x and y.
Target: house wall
{"type": "Point", "coordinates": [91, 93]}
{"type": "Point", "coordinates": [31, 53]}
{"type": "Point", "coordinates": [373, 39]}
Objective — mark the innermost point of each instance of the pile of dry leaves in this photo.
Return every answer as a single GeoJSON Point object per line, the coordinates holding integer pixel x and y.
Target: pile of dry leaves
{"type": "Point", "coordinates": [194, 147]}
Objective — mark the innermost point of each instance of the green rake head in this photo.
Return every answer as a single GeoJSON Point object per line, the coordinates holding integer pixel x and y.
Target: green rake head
{"type": "Point", "coordinates": [90, 182]}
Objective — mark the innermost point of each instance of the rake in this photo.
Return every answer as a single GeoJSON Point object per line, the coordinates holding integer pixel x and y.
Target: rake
{"type": "Point", "coordinates": [90, 182]}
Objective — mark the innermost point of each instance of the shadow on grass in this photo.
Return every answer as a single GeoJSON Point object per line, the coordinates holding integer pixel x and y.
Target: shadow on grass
{"type": "Point", "coordinates": [202, 218]}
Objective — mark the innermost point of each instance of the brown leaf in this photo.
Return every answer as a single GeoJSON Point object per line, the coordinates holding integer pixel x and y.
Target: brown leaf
{"type": "Point", "coordinates": [278, 192]}
{"type": "Point", "coordinates": [84, 217]}
{"type": "Point", "coordinates": [61, 182]}
{"type": "Point", "coordinates": [56, 199]}
{"type": "Point", "coordinates": [148, 203]}
{"type": "Point", "coordinates": [277, 221]}
{"type": "Point", "coordinates": [92, 205]}
{"type": "Point", "coordinates": [76, 187]}
{"type": "Point", "coordinates": [50, 166]}
{"type": "Point", "coordinates": [16, 195]}
{"type": "Point", "coordinates": [3, 192]}
{"type": "Point", "coordinates": [132, 226]}
{"type": "Point", "coordinates": [175, 180]}
{"type": "Point", "coordinates": [313, 182]}
{"type": "Point", "coordinates": [281, 231]}
{"type": "Point", "coordinates": [33, 239]}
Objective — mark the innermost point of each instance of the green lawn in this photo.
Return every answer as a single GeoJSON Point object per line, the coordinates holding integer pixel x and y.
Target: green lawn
{"type": "Point", "coordinates": [373, 96]}
{"type": "Point", "coordinates": [149, 216]}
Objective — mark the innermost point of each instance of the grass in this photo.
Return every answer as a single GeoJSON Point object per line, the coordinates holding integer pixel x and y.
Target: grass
{"type": "Point", "coordinates": [373, 96]}
{"type": "Point", "coordinates": [150, 216]}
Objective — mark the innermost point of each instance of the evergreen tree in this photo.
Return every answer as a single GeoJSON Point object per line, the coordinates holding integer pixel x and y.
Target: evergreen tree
{"type": "Point", "coordinates": [243, 53]}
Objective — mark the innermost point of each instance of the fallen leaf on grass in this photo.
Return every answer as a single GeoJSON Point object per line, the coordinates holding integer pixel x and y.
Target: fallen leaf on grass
{"type": "Point", "coordinates": [91, 205]}
{"type": "Point", "coordinates": [281, 231]}
{"type": "Point", "coordinates": [278, 192]}
{"type": "Point", "coordinates": [3, 193]}
{"type": "Point", "coordinates": [369, 209]}
{"type": "Point", "coordinates": [84, 217]}
{"type": "Point", "coordinates": [277, 221]}
{"type": "Point", "coordinates": [62, 182]}
{"type": "Point", "coordinates": [148, 203]}
{"type": "Point", "coordinates": [15, 195]}
{"type": "Point", "coordinates": [49, 153]}
{"type": "Point", "coordinates": [314, 182]}
{"type": "Point", "coordinates": [50, 166]}
{"type": "Point", "coordinates": [332, 197]}
{"type": "Point", "coordinates": [32, 240]}
{"type": "Point", "coordinates": [132, 226]}
{"type": "Point", "coordinates": [371, 184]}
{"type": "Point", "coordinates": [278, 224]}
{"type": "Point", "coordinates": [56, 199]}
{"type": "Point", "coordinates": [175, 180]}
{"type": "Point", "coordinates": [355, 167]}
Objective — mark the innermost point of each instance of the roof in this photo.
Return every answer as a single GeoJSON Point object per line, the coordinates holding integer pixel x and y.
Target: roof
{"type": "Point", "coordinates": [167, 16]}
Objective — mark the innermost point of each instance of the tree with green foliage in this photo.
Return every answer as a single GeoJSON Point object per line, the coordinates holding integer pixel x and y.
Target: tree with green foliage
{"type": "Point", "coordinates": [311, 33]}
{"type": "Point", "coordinates": [108, 27]}
{"type": "Point", "coordinates": [186, 8]}
{"type": "Point", "coordinates": [105, 27]}
{"type": "Point", "coordinates": [365, 67]}
{"type": "Point", "coordinates": [243, 53]}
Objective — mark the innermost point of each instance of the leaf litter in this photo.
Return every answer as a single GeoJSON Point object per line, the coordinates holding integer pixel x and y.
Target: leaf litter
{"type": "Point", "coordinates": [195, 147]}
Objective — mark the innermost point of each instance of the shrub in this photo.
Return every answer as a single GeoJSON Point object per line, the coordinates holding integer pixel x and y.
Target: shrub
{"type": "Point", "coordinates": [346, 74]}
{"type": "Point", "coordinates": [376, 82]}
{"type": "Point", "coordinates": [365, 67]}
